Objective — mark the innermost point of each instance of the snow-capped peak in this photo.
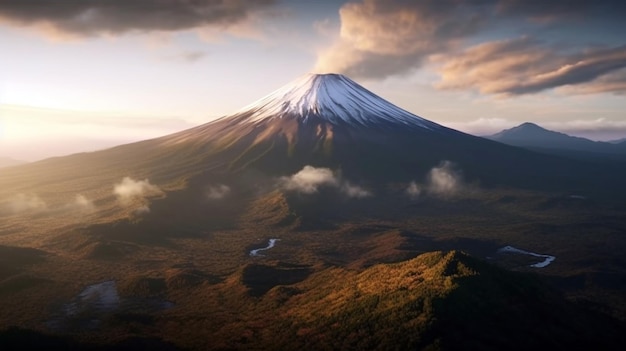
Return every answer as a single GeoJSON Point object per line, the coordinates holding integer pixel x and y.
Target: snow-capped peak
{"type": "Point", "coordinates": [331, 97]}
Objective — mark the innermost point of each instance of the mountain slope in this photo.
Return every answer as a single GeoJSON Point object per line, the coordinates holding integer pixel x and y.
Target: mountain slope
{"type": "Point", "coordinates": [532, 136]}
{"type": "Point", "coordinates": [324, 121]}
{"type": "Point", "coordinates": [8, 162]}
{"type": "Point", "coordinates": [617, 141]}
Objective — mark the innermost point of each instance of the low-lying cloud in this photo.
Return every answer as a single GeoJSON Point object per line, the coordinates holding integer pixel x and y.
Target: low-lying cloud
{"type": "Point", "coordinates": [355, 191]}
{"type": "Point", "coordinates": [413, 190]}
{"type": "Point", "coordinates": [217, 192]}
{"type": "Point", "coordinates": [32, 203]}
{"type": "Point", "coordinates": [24, 203]}
{"type": "Point", "coordinates": [310, 179]}
{"type": "Point", "coordinates": [136, 192]}
{"type": "Point", "coordinates": [441, 181]}
{"type": "Point", "coordinates": [444, 179]}
{"type": "Point", "coordinates": [81, 203]}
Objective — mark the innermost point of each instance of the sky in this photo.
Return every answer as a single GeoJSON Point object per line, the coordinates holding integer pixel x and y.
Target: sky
{"type": "Point", "coordinates": [81, 75]}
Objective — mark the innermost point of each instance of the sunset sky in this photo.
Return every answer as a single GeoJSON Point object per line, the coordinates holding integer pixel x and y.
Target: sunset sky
{"type": "Point", "coordinates": [79, 75]}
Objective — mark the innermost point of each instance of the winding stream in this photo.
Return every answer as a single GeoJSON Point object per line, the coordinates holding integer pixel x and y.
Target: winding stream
{"type": "Point", "coordinates": [270, 244]}
{"type": "Point", "coordinates": [544, 263]}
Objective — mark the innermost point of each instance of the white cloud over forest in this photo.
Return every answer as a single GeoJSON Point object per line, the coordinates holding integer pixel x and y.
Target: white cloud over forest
{"type": "Point", "coordinates": [310, 179]}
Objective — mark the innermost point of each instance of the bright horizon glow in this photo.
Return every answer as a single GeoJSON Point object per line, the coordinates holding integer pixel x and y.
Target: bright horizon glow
{"type": "Point", "coordinates": [78, 91]}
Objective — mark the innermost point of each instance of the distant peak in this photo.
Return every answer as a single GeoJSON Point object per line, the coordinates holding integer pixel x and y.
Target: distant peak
{"type": "Point", "coordinates": [333, 98]}
{"type": "Point", "coordinates": [529, 125]}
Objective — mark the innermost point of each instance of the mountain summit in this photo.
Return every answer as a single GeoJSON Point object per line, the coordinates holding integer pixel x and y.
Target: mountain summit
{"type": "Point", "coordinates": [332, 98]}
{"type": "Point", "coordinates": [322, 120]}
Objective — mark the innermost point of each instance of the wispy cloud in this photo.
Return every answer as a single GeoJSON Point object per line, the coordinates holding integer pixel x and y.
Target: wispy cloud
{"type": "Point", "coordinates": [444, 180]}
{"type": "Point", "coordinates": [130, 192]}
{"type": "Point", "coordinates": [24, 203]}
{"type": "Point", "coordinates": [32, 203]}
{"type": "Point", "coordinates": [141, 210]}
{"type": "Point", "coordinates": [217, 192]}
{"type": "Point", "coordinates": [355, 191]}
{"type": "Point", "coordinates": [310, 179]}
{"type": "Point", "coordinates": [413, 190]}
{"type": "Point", "coordinates": [188, 56]}
{"type": "Point", "coordinates": [80, 204]}
{"type": "Point", "coordinates": [129, 189]}
{"type": "Point", "coordinates": [523, 66]}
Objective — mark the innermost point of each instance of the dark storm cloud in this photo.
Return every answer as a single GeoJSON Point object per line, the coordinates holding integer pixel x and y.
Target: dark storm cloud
{"type": "Point", "coordinates": [380, 38]}
{"type": "Point", "coordinates": [96, 17]}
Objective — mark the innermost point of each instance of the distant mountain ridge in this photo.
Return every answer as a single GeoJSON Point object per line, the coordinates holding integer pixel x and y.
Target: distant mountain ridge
{"type": "Point", "coordinates": [532, 136]}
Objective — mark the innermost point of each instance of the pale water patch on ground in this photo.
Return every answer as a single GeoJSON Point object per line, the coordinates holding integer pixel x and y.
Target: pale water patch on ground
{"type": "Point", "coordinates": [270, 244]}
{"type": "Point", "coordinates": [548, 259]}
{"type": "Point", "coordinates": [97, 302]}
{"type": "Point", "coordinates": [101, 297]}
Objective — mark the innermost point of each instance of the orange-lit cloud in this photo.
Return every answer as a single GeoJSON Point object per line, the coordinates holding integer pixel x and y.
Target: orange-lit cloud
{"type": "Point", "coordinates": [522, 66]}
{"type": "Point", "coordinates": [381, 38]}
{"type": "Point", "coordinates": [378, 39]}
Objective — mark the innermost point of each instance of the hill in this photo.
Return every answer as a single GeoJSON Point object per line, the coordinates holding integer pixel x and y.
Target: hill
{"type": "Point", "coordinates": [533, 137]}
{"type": "Point", "coordinates": [435, 301]}
{"type": "Point", "coordinates": [8, 162]}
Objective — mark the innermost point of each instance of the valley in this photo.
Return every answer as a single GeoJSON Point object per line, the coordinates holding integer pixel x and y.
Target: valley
{"type": "Point", "coordinates": [224, 297]}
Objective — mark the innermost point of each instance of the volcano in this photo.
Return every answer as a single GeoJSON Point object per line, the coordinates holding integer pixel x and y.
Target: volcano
{"type": "Point", "coordinates": [318, 120]}
{"type": "Point", "coordinates": [328, 120]}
